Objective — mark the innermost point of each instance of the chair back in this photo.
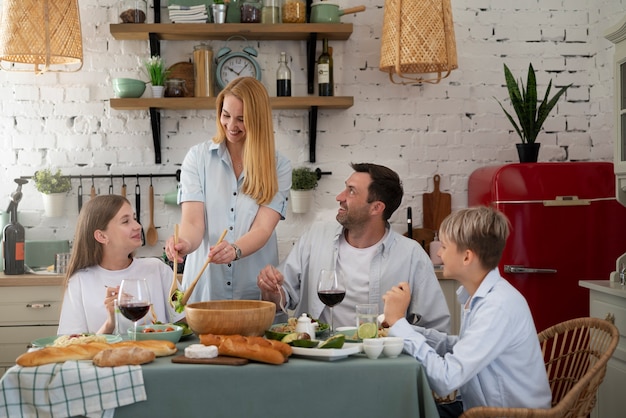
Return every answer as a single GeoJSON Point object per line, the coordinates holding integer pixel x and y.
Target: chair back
{"type": "Point", "coordinates": [575, 353]}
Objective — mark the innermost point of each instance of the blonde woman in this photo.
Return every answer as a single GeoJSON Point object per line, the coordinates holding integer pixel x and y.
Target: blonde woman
{"type": "Point", "coordinates": [238, 182]}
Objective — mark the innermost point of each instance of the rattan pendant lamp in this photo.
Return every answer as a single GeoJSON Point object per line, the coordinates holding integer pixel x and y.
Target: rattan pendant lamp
{"type": "Point", "coordinates": [417, 39]}
{"type": "Point", "coordinates": [44, 34]}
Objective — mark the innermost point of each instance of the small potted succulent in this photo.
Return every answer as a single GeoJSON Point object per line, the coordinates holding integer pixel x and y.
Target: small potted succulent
{"type": "Point", "coordinates": [531, 113]}
{"type": "Point", "coordinates": [303, 182]}
{"type": "Point", "coordinates": [54, 187]}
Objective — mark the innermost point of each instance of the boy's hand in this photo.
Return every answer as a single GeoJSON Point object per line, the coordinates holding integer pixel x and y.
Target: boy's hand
{"type": "Point", "coordinates": [396, 302]}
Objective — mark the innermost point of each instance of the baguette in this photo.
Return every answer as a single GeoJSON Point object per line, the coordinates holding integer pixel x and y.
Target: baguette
{"type": "Point", "coordinates": [88, 351]}
{"type": "Point", "coordinates": [160, 348]}
{"type": "Point", "coordinates": [251, 348]}
{"type": "Point", "coordinates": [234, 348]}
{"type": "Point", "coordinates": [113, 357]}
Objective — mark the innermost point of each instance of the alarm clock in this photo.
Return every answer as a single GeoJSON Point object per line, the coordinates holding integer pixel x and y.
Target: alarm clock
{"type": "Point", "coordinates": [232, 65]}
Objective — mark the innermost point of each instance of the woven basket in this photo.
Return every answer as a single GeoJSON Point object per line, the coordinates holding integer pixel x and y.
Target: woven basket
{"type": "Point", "coordinates": [418, 38]}
{"type": "Point", "coordinates": [42, 33]}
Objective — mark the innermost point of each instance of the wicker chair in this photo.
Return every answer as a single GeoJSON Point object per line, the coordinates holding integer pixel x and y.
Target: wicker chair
{"type": "Point", "coordinates": [576, 353]}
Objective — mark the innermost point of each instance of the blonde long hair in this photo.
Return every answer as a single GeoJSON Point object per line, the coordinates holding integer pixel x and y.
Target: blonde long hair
{"type": "Point", "coordinates": [259, 155]}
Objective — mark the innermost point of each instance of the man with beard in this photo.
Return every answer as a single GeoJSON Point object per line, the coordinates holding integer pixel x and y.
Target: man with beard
{"type": "Point", "coordinates": [365, 251]}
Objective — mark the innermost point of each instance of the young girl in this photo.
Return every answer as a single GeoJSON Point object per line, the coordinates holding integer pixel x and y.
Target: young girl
{"type": "Point", "coordinates": [107, 234]}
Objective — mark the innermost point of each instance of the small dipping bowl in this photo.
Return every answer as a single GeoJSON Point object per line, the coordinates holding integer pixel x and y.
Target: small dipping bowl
{"type": "Point", "coordinates": [373, 347]}
{"type": "Point", "coordinates": [392, 346]}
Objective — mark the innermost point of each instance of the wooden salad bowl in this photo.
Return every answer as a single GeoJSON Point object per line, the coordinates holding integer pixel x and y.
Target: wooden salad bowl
{"type": "Point", "coordinates": [229, 317]}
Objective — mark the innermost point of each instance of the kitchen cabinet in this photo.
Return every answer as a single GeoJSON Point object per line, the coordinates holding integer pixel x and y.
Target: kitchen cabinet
{"type": "Point", "coordinates": [308, 32]}
{"type": "Point", "coordinates": [607, 300]}
{"type": "Point", "coordinates": [30, 306]}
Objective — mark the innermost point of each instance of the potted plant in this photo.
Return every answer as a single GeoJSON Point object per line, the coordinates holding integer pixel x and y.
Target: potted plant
{"type": "Point", "coordinates": [531, 113]}
{"type": "Point", "coordinates": [53, 188]}
{"type": "Point", "coordinates": [303, 181]}
{"type": "Point", "coordinates": [219, 10]}
{"type": "Point", "coordinates": [157, 74]}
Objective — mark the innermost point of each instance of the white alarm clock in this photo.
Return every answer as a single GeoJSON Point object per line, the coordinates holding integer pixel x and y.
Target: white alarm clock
{"type": "Point", "coordinates": [232, 65]}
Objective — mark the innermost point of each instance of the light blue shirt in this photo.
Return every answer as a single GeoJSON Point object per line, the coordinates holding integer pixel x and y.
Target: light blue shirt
{"type": "Point", "coordinates": [397, 259]}
{"type": "Point", "coordinates": [207, 176]}
{"type": "Point", "coordinates": [495, 361]}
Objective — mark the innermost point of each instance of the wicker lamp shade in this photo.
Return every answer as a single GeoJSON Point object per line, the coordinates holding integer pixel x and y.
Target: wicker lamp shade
{"type": "Point", "coordinates": [418, 38]}
{"type": "Point", "coordinates": [42, 33]}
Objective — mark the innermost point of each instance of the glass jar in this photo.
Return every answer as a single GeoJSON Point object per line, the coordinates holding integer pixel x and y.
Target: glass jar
{"type": "Point", "coordinates": [251, 11]}
{"type": "Point", "coordinates": [294, 11]}
{"type": "Point", "coordinates": [271, 11]}
{"type": "Point", "coordinates": [203, 71]}
{"type": "Point", "coordinates": [133, 11]}
{"type": "Point", "coordinates": [175, 87]}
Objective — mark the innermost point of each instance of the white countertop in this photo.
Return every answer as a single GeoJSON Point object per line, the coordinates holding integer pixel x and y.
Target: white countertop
{"type": "Point", "coordinates": [605, 286]}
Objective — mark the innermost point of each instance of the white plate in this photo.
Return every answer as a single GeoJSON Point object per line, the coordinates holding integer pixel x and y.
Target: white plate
{"type": "Point", "coordinates": [44, 342]}
{"type": "Point", "coordinates": [329, 353]}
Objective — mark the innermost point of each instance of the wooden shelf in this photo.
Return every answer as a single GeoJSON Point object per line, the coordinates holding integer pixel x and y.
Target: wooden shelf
{"type": "Point", "coordinates": [251, 31]}
{"type": "Point", "coordinates": [189, 103]}
{"type": "Point", "coordinates": [156, 32]}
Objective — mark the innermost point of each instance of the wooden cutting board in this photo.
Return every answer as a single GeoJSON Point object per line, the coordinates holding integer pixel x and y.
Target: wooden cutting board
{"type": "Point", "coordinates": [424, 236]}
{"type": "Point", "coordinates": [228, 361]}
{"type": "Point", "coordinates": [436, 206]}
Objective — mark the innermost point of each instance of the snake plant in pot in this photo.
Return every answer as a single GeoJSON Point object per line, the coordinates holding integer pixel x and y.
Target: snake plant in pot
{"type": "Point", "coordinates": [303, 181]}
{"type": "Point", "coordinates": [531, 113]}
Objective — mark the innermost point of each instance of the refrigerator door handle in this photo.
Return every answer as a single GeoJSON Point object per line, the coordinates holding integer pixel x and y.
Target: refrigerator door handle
{"type": "Point", "coordinates": [520, 269]}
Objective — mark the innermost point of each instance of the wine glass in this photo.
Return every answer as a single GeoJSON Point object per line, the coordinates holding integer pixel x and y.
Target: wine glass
{"type": "Point", "coordinates": [134, 301]}
{"type": "Point", "coordinates": [331, 291]}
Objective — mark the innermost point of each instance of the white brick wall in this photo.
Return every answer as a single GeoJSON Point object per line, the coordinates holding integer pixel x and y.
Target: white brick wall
{"type": "Point", "coordinates": [452, 128]}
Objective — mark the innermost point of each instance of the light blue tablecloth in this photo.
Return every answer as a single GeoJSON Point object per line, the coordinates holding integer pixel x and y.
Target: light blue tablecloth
{"type": "Point", "coordinates": [351, 387]}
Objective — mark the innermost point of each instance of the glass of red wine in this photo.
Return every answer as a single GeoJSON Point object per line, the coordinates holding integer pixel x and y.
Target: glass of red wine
{"type": "Point", "coordinates": [331, 291]}
{"type": "Point", "coordinates": [134, 301]}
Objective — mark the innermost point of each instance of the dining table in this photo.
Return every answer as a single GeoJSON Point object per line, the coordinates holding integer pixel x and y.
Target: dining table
{"type": "Point", "coordinates": [354, 386]}
{"type": "Point", "coordinates": [332, 383]}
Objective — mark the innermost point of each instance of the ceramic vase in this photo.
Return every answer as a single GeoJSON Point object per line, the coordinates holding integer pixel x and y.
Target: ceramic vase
{"type": "Point", "coordinates": [301, 200]}
{"type": "Point", "coordinates": [157, 91]}
{"type": "Point", "coordinates": [54, 204]}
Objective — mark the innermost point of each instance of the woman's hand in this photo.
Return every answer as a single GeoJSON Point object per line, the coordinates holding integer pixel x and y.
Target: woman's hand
{"type": "Point", "coordinates": [222, 253]}
{"type": "Point", "coordinates": [397, 301]}
{"type": "Point", "coordinates": [179, 250]}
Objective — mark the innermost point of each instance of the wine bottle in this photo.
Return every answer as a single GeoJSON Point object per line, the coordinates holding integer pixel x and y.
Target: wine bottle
{"type": "Point", "coordinates": [283, 77]}
{"type": "Point", "coordinates": [325, 71]}
{"type": "Point", "coordinates": [13, 246]}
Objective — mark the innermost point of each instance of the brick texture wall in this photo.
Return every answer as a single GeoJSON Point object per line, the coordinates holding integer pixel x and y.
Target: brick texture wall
{"type": "Point", "coordinates": [64, 119]}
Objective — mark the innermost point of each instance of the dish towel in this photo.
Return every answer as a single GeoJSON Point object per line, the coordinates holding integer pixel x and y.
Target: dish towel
{"type": "Point", "coordinates": [69, 389]}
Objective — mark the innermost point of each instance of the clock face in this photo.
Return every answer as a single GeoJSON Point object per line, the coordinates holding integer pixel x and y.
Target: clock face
{"type": "Point", "coordinates": [237, 65]}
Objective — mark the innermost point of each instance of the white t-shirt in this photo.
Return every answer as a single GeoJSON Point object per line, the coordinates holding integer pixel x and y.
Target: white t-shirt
{"type": "Point", "coordinates": [353, 264]}
{"type": "Point", "coordinates": [83, 307]}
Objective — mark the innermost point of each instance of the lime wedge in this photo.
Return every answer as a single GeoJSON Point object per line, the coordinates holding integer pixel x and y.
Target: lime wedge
{"type": "Point", "coordinates": [367, 330]}
{"type": "Point", "coordinates": [287, 339]}
{"type": "Point", "coordinates": [336, 341]}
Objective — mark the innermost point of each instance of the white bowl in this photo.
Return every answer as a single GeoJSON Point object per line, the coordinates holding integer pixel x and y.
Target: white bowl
{"type": "Point", "coordinates": [373, 351]}
{"type": "Point", "coordinates": [392, 349]}
{"type": "Point", "coordinates": [373, 342]}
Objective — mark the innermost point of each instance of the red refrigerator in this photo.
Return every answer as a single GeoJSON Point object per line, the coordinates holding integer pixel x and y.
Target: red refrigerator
{"type": "Point", "coordinates": [566, 226]}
